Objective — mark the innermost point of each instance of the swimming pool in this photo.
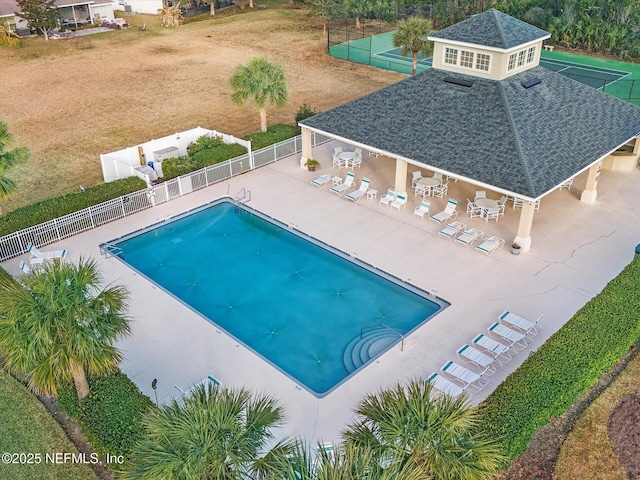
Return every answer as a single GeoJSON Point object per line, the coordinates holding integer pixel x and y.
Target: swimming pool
{"type": "Point", "coordinates": [306, 308]}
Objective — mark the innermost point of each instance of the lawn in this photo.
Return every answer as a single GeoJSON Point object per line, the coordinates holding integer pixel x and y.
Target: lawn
{"type": "Point", "coordinates": [70, 100]}
{"type": "Point", "coordinates": [28, 428]}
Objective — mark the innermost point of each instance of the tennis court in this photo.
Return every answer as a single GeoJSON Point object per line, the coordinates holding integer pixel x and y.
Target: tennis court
{"type": "Point", "coordinates": [593, 76]}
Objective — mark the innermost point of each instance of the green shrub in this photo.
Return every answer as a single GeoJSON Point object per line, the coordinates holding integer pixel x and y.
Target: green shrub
{"type": "Point", "coordinates": [551, 379]}
{"type": "Point", "coordinates": [305, 111]}
{"type": "Point", "coordinates": [110, 416]}
{"type": "Point", "coordinates": [46, 210]}
{"type": "Point", "coordinates": [274, 134]}
{"type": "Point", "coordinates": [203, 152]}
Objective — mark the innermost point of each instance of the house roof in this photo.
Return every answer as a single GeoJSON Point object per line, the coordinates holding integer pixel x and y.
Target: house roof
{"type": "Point", "coordinates": [8, 7]}
{"type": "Point", "coordinates": [520, 140]}
{"type": "Point", "coordinates": [492, 28]}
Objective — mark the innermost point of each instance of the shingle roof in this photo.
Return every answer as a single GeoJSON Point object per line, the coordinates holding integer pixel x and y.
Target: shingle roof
{"type": "Point", "coordinates": [522, 140]}
{"type": "Point", "coordinates": [492, 28]}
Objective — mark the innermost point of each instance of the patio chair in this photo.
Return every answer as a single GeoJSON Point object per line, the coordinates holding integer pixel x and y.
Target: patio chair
{"type": "Point", "coordinates": [522, 324]}
{"type": "Point", "coordinates": [512, 338]}
{"type": "Point", "coordinates": [338, 162]}
{"type": "Point", "coordinates": [471, 380]}
{"type": "Point", "coordinates": [358, 152]}
{"type": "Point", "coordinates": [469, 236]}
{"type": "Point", "coordinates": [400, 201]}
{"type": "Point", "coordinates": [487, 365]}
{"type": "Point", "coordinates": [494, 348]}
{"type": "Point", "coordinates": [360, 192]}
{"type": "Point", "coordinates": [490, 214]}
{"type": "Point", "coordinates": [440, 190]}
{"type": "Point", "coordinates": [321, 180]}
{"type": "Point", "coordinates": [444, 386]}
{"type": "Point", "coordinates": [480, 194]}
{"type": "Point", "coordinates": [337, 150]}
{"type": "Point", "coordinates": [490, 245]}
{"type": "Point", "coordinates": [501, 204]}
{"type": "Point", "coordinates": [38, 256]}
{"type": "Point", "coordinates": [422, 209]}
{"type": "Point", "coordinates": [473, 210]}
{"type": "Point", "coordinates": [437, 176]}
{"type": "Point", "coordinates": [566, 184]}
{"type": "Point", "coordinates": [452, 229]}
{"type": "Point", "coordinates": [448, 213]}
{"type": "Point", "coordinates": [389, 197]}
{"type": "Point", "coordinates": [417, 176]}
{"type": "Point", "coordinates": [348, 184]}
{"type": "Point", "coordinates": [356, 162]}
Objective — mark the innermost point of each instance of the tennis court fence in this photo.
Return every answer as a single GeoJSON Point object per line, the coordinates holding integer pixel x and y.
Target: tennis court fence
{"type": "Point", "coordinates": [17, 243]}
{"type": "Point", "coordinates": [365, 46]}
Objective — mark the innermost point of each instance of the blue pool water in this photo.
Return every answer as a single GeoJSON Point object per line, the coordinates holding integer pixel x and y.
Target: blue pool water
{"type": "Point", "coordinates": [299, 305]}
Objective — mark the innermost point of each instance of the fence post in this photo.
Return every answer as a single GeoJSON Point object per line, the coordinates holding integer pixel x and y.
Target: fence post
{"type": "Point", "coordinates": [93, 225]}
{"type": "Point", "coordinates": [55, 222]}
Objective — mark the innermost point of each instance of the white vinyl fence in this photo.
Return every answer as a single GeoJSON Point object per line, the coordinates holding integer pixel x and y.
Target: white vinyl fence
{"type": "Point", "coordinates": [58, 229]}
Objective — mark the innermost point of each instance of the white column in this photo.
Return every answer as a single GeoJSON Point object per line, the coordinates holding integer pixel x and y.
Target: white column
{"type": "Point", "coordinates": [590, 191]}
{"type": "Point", "coordinates": [525, 226]}
{"type": "Point", "coordinates": [401, 176]}
{"type": "Point", "coordinates": [306, 146]}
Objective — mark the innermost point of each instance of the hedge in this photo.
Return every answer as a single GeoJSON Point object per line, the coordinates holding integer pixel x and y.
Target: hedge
{"type": "Point", "coordinates": [567, 364]}
{"type": "Point", "coordinates": [46, 210]}
{"type": "Point", "coordinates": [110, 415]}
{"type": "Point", "coordinates": [174, 167]}
{"type": "Point", "coordinates": [274, 134]}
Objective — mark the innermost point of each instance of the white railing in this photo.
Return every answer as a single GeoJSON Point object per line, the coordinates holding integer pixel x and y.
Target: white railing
{"type": "Point", "coordinates": [60, 228]}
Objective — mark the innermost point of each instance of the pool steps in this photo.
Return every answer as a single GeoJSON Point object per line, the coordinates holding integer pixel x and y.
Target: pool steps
{"type": "Point", "coordinates": [360, 350]}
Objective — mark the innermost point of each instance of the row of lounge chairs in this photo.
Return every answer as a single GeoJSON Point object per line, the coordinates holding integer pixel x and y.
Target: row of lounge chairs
{"type": "Point", "coordinates": [486, 355]}
{"type": "Point", "coordinates": [39, 257]}
{"type": "Point", "coordinates": [346, 187]}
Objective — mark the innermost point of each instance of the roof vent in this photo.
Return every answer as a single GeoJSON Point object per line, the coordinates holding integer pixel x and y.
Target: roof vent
{"type": "Point", "coordinates": [531, 82]}
{"type": "Point", "coordinates": [460, 81]}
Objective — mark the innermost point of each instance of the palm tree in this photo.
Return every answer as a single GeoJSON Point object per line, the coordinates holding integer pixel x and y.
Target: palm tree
{"type": "Point", "coordinates": [8, 159]}
{"type": "Point", "coordinates": [411, 36]}
{"type": "Point", "coordinates": [214, 433]}
{"type": "Point", "coordinates": [408, 427]}
{"type": "Point", "coordinates": [261, 80]}
{"type": "Point", "coordinates": [58, 325]}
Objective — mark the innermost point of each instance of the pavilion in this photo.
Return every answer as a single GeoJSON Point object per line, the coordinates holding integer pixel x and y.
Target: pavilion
{"type": "Point", "coordinates": [489, 115]}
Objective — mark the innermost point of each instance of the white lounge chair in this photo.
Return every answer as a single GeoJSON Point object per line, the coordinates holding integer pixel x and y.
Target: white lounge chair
{"type": "Point", "coordinates": [448, 213]}
{"type": "Point", "coordinates": [38, 256]}
{"type": "Point", "coordinates": [360, 192]}
{"type": "Point", "coordinates": [389, 197]}
{"type": "Point", "coordinates": [494, 348]}
{"type": "Point", "coordinates": [471, 380]}
{"type": "Point", "coordinates": [25, 268]}
{"type": "Point", "coordinates": [513, 338]}
{"type": "Point", "coordinates": [444, 386]}
{"type": "Point", "coordinates": [321, 180]}
{"type": "Point", "coordinates": [400, 201]}
{"type": "Point", "coordinates": [326, 448]}
{"type": "Point", "coordinates": [490, 245]}
{"type": "Point", "coordinates": [487, 365]}
{"type": "Point", "coordinates": [522, 324]}
{"type": "Point", "coordinates": [205, 381]}
{"type": "Point", "coordinates": [422, 209]}
{"type": "Point", "coordinates": [452, 229]}
{"type": "Point", "coordinates": [348, 184]}
{"type": "Point", "coordinates": [469, 236]}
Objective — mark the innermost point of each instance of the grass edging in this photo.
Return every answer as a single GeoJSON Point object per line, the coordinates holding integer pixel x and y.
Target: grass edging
{"type": "Point", "coordinates": [560, 373]}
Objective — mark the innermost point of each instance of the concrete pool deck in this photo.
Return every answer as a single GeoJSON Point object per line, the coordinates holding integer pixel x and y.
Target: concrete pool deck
{"type": "Point", "coordinates": [577, 248]}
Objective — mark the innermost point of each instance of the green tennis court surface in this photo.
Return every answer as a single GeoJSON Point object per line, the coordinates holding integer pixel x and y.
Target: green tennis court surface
{"type": "Point", "coordinates": [593, 76]}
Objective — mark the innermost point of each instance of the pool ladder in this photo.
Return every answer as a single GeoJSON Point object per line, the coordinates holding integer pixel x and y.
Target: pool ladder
{"type": "Point", "coordinates": [109, 249]}
{"type": "Point", "coordinates": [243, 196]}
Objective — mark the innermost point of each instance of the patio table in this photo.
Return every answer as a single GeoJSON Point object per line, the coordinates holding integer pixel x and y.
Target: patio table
{"type": "Point", "coordinates": [347, 158]}
{"type": "Point", "coordinates": [425, 184]}
{"type": "Point", "coordinates": [486, 203]}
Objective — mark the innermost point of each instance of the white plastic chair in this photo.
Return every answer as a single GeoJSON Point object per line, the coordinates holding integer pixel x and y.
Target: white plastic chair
{"type": "Point", "coordinates": [444, 386]}
{"type": "Point", "coordinates": [473, 210]}
{"type": "Point", "coordinates": [487, 365]}
{"type": "Point", "coordinates": [522, 324]}
{"type": "Point", "coordinates": [470, 380]}
{"type": "Point", "coordinates": [448, 213]}
{"type": "Point", "coordinates": [452, 229]}
{"type": "Point", "coordinates": [469, 236]}
{"type": "Point", "coordinates": [494, 348]}
{"type": "Point", "coordinates": [481, 194]}
{"type": "Point", "coordinates": [400, 201]}
{"type": "Point", "coordinates": [417, 176]}
{"type": "Point", "coordinates": [490, 245]}
{"type": "Point", "coordinates": [422, 209]}
{"type": "Point", "coordinates": [490, 214]}
{"type": "Point", "coordinates": [389, 197]}
{"type": "Point", "coordinates": [440, 190]}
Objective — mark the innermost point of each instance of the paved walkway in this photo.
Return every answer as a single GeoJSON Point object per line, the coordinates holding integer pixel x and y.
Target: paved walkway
{"type": "Point", "coordinates": [577, 248]}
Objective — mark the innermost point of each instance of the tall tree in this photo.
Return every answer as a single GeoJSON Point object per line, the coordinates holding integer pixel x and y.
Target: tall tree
{"type": "Point", "coordinates": [358, 9]}
{"type": "Point", "coordinates": [411, 36]}
{"type": "Point", "coordinates": [57, 324]}
{"type": "Point", "coordinates": [325, 9]}
{"type": "Point", "coordinates": [8, 159]}
{"type": "Point", "coordinates": [262, 81]}
{"type": "Point", "coordinates": [43, 15]}
{"type": "Point", "coordinates": [438, 436]}
{"type": "Point", "coordinates": [214, 433]}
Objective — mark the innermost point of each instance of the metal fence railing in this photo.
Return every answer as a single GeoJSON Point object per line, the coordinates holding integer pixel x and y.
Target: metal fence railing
{"type": "Point", "coordinates": [17, 243]}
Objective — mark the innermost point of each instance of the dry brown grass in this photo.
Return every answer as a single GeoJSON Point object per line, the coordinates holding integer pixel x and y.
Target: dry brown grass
{"type": "Point", "coordinates": [587, 452]}
{"type": "Point", "coordinates": [70, 100]}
